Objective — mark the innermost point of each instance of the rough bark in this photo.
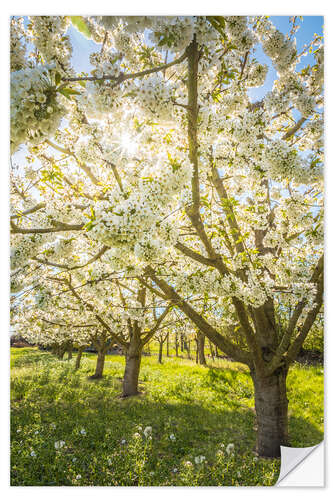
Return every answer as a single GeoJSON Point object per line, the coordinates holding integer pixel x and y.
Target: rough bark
{"type": "Point", "coordinates": [78, 359]}
{"type": "Point", "coordinates": [132, 369]}
{"type": "Point", "coordinates": [201, 348]}
{"type": "Point", "coordinates": [271, 406]}
{"type": "Point", "coordinates": [177, 345]}
{"type": "Point", "coordinates": [70, 353]}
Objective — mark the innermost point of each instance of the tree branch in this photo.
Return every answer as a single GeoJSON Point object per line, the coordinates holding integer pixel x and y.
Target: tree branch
{"type": "Point", "coordinates": [130, 76]}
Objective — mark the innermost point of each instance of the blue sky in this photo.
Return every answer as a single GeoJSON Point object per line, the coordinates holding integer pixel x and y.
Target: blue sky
{"type": "Point", "coordinates": [83, 47]}
{"type": "Point", "coordinates": [310, 25]}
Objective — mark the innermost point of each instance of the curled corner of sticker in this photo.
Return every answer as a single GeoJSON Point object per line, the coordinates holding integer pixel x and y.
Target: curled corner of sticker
{"type": "Point", "coordinates": [302, 466]}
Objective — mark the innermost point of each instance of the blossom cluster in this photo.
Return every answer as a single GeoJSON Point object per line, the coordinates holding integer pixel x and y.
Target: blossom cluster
{"type": "Point", "coordinates": [35, 110]}
{"type": "Point", "coordinates": [17, 45]}
{"type": "Point", "coordinates": [48, 35]}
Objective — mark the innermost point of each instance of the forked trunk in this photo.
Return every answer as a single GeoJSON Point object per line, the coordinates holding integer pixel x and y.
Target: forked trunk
{"type": "Point", "coordinates": [132, 369]}
{"type": "Point", "coordinates": [78, 359]}
{"type": "Point", "coordinates": [201, 348]}
{"type": "Point", "coordinates": [160, 352]}
{"type": "Point", "coordinates": [99, 364]}
{"type": "Point", "coordinates": [271, 405]}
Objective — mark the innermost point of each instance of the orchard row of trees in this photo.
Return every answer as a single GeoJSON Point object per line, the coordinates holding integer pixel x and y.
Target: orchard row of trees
{"type": "Point", "coordinates": [155, 194]}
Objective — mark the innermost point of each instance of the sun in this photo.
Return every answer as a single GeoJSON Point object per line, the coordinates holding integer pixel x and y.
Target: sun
{"type": "Point", "coordinates": [128, 144]}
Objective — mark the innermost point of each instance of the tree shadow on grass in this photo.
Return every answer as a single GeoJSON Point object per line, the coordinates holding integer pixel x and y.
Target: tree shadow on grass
{"type": "Point", "coordinates": [108, 422]}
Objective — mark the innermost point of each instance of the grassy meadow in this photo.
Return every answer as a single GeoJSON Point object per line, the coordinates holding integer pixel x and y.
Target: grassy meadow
{"type": "Point", "coordinates": [190, 426]}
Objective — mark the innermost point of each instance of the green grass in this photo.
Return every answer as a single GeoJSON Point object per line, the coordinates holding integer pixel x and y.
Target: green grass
{"type": "Point", "coordinates": [203, 407]}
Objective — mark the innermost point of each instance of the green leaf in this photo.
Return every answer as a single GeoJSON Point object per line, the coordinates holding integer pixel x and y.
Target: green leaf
{"type": "Point", "coordinates": [68, 93]}
{"type": "Point", "coordinates": [80, 24]}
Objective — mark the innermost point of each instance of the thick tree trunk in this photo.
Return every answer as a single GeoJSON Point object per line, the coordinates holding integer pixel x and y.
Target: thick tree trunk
{"type": "Point", "coordinates": [70, 352]}
{"type": "Point", "coordinates": [160, 352]}
{"type": "Point", "coordinates": [201, 348]}
{"type": "Point", "coordinates": [132, 369]}
{"type": "Point", "coordinates": [271, 405]}
{"type": "Point", "coordinates": [78, 359]}
{"type": "Point", "coordinates": [99, 364]}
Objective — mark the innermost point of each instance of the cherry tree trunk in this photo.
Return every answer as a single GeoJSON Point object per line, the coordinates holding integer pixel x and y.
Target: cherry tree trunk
{"type": "Point", "coordinates": [78, 359]}
{"type": "Point", "coordinates": [132, 369]}
{"type": "Point", "coordinates": [201, 348]}
{"type": "Point", "coordinates": [177, 345]}
{"type": "Point", "coordinates": [211, 351]}
{"type": "Point", "coordinates": [167, 346]}
{"type": "Point", "coordinates": [70, 352]}
{"type": "Point", "coordinates": [160, 352]}
{"type": "Point", "coordinates": [182, 343]}
{"type": "Point", "coordinates": [99, 364]}
{"type": "Point", "coordinates": [271, 406]}
{"type": "Point", "coordinates": [61, 353]}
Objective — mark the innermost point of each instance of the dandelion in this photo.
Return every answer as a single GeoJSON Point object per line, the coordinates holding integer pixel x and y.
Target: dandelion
{"type": "Point", "coordinates": [32, 453]}
{"type": "Point", "coordinates": [148, 430]}
{"type": "Point", "coordinates": [36, 432]}
{"type": "Point", "coordinates": [255, 459]}
{"type": "Point", "coordinates": [83, 432]}
{"type": "Point", "coordinates": [198, 460]}
{"type": "Point", "coordinates": [175, 470]}
{"type": "Point", "coordinates": [188, 464]}
{"type": "Point", "coordinates": [59, 444]}
{"type": "Point", "coordinates": [136, 435]}
{"type": "Point", "coordinates": [123, 441]}
{"type": "Point", "coordinates": [152, 473]}
{"type": "Point", "coordinates": [78, 476]}
{"type": "Point", "coordinates": [230, 449]}
{"type": "Point", "coordinates": [139, 428]}
{"type": "Point", "coordinates": [172, 437]}
{"type": "Point", "coordinates": [18, 430]}
{"type": "Point", "coordinates": [74, 459]}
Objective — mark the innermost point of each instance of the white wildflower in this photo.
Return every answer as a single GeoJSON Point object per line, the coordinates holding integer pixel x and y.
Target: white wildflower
{"type": "Point", "coordinates": [59, 444]}
{"type": "Point", "coordinates": [230, 449]}
{"type": "Point", "coordinates": [148, 430]}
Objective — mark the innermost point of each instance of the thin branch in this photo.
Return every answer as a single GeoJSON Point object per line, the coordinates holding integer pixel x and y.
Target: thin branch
{"type": "Point", "coordinates": [130, 76]}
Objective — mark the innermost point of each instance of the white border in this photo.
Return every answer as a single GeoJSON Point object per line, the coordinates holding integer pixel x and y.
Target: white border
{"type": "Point", "coordinates": [171, 7]}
